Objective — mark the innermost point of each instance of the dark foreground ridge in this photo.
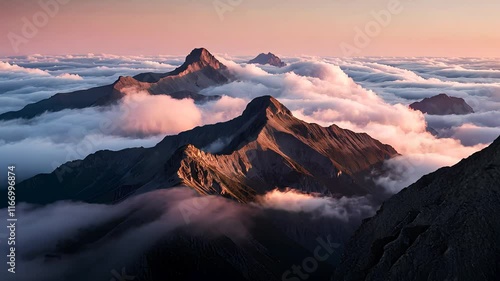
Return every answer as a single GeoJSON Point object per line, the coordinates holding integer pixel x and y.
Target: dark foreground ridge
{"type": "Point", "coordinates": [443, 227]}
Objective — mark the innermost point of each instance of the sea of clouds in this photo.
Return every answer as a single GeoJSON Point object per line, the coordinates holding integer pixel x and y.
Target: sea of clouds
{"type": "Point", "coordinates": [362, 94]}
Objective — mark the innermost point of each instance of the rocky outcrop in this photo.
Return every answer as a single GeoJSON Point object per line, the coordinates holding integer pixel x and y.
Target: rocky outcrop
{"type": "Point", "coordinates": [442, 104]}
{"type": "Point", "coordinates": [263, 149]}
{"type": "Point", "coordinates": [200, 70]}
{"type": "Point", "coordinates": [268, 58]}
{"type": "Point", "coordinates": [443, 227]}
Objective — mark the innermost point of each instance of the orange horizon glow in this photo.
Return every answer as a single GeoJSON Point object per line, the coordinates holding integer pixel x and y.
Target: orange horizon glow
{"type": "Point", "coordinates": [289, 28]}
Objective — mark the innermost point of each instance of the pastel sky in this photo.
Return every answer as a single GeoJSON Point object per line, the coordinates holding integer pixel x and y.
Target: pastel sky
{"type": "Point", "coordinates": [246, 27]}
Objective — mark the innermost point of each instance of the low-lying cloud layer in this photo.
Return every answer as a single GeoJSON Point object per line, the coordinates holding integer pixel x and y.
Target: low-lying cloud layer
{"type": "Point", "coordinates": [142, 114]}
{"type": "Point", "coordinates": [405, 80]}
{"type": "Point", "coordinates": [345, 208]}
{"type": "Point", "coordinates": [79, 241]}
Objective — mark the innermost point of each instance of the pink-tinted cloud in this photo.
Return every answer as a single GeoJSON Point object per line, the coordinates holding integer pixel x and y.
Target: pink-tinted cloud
{"type": "Point", "coordinates": [294, 201]}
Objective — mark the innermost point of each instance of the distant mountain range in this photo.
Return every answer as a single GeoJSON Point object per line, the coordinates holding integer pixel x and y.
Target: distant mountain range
{"type": "Point", "coordinates": [442, 104]}
{"type": "Point", "coordinates": [269, 58]}
{"type": "Point", "coordinates": [200, 70]}
{"type": "Point", "coordinates": [263, 149]}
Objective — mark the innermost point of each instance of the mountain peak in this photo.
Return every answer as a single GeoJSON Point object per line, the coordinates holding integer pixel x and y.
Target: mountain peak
{"type": "Point", "coordinates": [442, 104]}
{"type": "Point", "coordinates": [268, 58]}
{"type": "Point", "coordinates": [267, 105]}
{"type": "Point", "coordinates": [443, 95]}
{"type": "Point", "coordinates": [200, 58]}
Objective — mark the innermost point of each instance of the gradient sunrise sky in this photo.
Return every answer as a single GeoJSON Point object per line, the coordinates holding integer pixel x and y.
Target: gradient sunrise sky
{"type": "Point", "coordinates": [246, 27]}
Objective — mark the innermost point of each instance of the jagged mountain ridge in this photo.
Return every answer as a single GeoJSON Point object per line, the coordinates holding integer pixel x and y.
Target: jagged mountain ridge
{"type": "Point", "coordinates": [443, 227]}
{"type": "Point", "coordinates": [200, 70]}
{"type": "Point", "coordinates": [263, 149]}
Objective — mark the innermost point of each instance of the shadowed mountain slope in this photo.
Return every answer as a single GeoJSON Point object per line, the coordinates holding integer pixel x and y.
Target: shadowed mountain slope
{"type": "Point", "coordinates": [443, 227]}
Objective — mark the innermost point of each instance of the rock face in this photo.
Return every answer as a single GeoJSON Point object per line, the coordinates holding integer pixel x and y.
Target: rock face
{"type": "Point", "coordinates": [268, 58]}
{"type": "Point", "coordinates": [443, 227]}
{"type": "Point", "coordinates": [200, 70]}
{"type": "Point", "coordinates": [442, 104]}
{"type": "Point", "coordinates": [263, 149]}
